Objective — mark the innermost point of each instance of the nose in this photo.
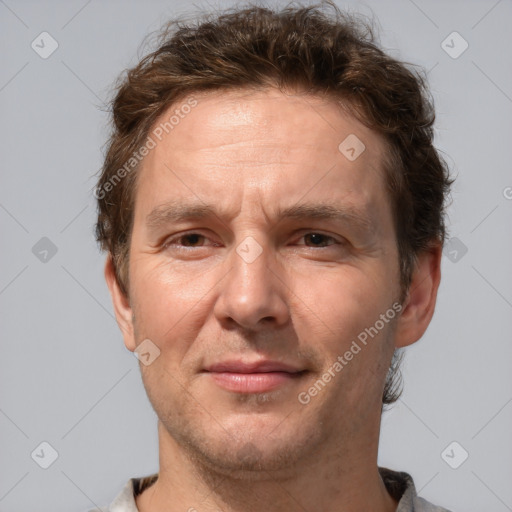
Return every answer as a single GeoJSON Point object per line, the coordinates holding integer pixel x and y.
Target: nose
{"type": "Point", "coordinates": [253, 293]}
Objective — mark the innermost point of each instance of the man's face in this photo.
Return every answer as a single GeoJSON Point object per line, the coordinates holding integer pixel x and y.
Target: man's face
{"type": "Point", "coordinates": [249, 306]}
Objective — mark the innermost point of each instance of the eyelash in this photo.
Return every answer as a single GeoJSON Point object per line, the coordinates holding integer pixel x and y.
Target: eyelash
{"type": "Point", "coordinates": [171, 241]}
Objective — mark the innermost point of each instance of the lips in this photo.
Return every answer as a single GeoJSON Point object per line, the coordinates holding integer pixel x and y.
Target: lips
{"type": "Point", "coordinates": [254, 367]}
{"type": "Point", "coordinates": [253, 377]}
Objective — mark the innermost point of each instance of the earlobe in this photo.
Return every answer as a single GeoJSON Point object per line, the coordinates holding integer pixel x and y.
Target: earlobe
{"type": "Point", "coordinates": [122, 307]}
{"type": "Point", "coordinates": [420, 302]}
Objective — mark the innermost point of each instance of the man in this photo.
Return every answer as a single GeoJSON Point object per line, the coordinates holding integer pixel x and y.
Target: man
{"type": "Point", "coordinates": [272, 208]}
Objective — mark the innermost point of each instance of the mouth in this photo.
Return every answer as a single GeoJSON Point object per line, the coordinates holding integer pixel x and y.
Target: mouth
{"type": "Point", "coordinates": [258, 377]}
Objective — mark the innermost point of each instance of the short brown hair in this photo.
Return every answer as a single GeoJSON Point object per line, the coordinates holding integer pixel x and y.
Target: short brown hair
{"type": "Point", "coordinates": [315, 49]}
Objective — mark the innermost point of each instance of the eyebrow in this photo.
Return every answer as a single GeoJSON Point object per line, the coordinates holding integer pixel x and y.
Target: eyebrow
{"type": "Point", "coordinates": [174, 211]}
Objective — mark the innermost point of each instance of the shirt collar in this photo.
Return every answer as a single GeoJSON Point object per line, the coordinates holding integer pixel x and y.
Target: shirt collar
{"type": "Point", "coordinates": [399, 484]}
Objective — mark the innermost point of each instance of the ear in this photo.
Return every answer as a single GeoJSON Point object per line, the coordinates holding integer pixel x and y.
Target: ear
{"type": "Point", "coordinates": [420, 302]}
{"type": "Point", "coordinates": [122, 308]}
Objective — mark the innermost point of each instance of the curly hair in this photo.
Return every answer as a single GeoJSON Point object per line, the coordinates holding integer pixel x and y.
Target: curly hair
{"type": "Point", "coordinates": [316, 49]}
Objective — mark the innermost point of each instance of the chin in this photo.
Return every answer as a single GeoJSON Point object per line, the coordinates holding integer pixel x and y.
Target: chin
{"type": "Point", "coordinates": [251, 447]}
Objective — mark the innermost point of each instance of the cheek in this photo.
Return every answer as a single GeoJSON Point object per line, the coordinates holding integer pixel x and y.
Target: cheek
{"type": "Point", "coordinates": [343, 302]}
{"type": "Point", "coordinates": [169, 305]}
{"type": "Point", "coordinates": [342, 319]}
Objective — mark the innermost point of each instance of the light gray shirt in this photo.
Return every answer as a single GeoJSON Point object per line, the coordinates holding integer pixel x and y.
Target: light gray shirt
{"type": "Point", "coordinates": [400, 485]}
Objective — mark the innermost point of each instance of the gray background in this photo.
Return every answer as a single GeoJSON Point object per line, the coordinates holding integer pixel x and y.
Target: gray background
{"type": "Point", "coordinates": [65, 375]}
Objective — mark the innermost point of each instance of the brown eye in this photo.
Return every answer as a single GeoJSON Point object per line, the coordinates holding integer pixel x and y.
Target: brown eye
{"type": "Point", "coordinates": [191, 239]}
{"type": "Point", "coordinates": [187, 241]}
{"type": "Point", "coordinates": [319, 239]}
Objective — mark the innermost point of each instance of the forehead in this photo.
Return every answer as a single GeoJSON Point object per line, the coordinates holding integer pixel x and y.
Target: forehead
{"type": "Point", "coordinates": [259, 149]}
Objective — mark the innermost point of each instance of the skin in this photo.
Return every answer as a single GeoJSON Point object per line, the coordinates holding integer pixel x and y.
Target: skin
{"type": "Point", "coordinates": [302, 301]}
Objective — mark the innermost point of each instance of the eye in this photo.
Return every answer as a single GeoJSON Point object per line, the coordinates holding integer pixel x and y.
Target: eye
{"type": "Point", "coordinates": [194, 240]}
{"type": "Point", "coordinates": [186, 240]}
{"type": "Point", "coordinates": [319, 239]}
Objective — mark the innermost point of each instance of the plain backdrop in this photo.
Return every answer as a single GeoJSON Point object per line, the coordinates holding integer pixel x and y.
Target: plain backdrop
{"type": "Point", "coordinates": [66, 378]}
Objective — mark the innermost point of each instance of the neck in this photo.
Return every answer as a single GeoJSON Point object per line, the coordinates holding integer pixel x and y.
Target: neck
{"type": "Point", "coordinates": [342, 479]}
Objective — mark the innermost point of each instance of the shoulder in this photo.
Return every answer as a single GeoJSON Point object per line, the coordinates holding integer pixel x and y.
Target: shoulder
{"type": "Point", "coordinates": [401, 486]}
{"type": "Point", "coordinates": [125, 500]}
{"type": "Point", "coordinates": [421, 505]}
